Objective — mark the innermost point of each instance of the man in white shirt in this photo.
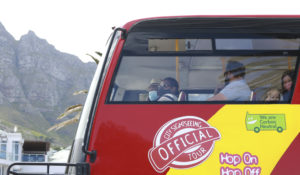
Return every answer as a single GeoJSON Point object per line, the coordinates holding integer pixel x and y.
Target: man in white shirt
{"type": "Point", "coordinates": [237, 88]}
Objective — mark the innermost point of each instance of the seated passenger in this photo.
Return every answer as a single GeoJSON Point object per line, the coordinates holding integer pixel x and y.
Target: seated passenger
{"type": "Point", "coordinates": [152, 90]}
{"type": "Point", "coordinates": [286, 84]}
{"type": "Point", "coordinates": [219, 88]}
{"type": "Point", "coordinates": [236, 88]}
{"type": "Point", "coordinates": [273, 95]}
{"type": "Point", "coordinates": [168, 90]}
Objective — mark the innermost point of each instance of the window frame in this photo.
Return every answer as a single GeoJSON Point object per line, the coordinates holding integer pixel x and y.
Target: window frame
{"type": "Point", "coordinates": [127, 50]}
{"type": "Point", "coordinates": [109, 101]}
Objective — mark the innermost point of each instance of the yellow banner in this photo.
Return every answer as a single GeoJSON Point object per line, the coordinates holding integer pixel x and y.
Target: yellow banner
{"type": "Point", "coordinates": [253, 139]}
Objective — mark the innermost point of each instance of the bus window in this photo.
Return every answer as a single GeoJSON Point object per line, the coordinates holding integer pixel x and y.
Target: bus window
{"type": "Point", "coordinates": [199, 76]}
{"type": "Point", "coordinates": [160, 45]}
{"type": "Point", "coordinates": [257, 44]}
{"type": "Point", "coordinates": [202, 68]}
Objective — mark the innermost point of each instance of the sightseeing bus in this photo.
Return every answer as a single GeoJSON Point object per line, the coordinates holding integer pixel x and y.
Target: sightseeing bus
{"type": "Point", "coordinates": [194, 95]}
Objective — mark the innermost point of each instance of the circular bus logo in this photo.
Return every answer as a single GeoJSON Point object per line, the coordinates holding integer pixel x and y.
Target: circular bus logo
{"type": "Point", "coordinates": [182, 143]}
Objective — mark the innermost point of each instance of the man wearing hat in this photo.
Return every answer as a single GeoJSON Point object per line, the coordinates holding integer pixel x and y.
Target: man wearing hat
{"type": "Point", "coordinates": [236, 88]}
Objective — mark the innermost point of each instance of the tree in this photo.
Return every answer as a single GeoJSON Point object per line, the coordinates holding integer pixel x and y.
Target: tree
{"type": "Point", "coordinates": [75, 108]}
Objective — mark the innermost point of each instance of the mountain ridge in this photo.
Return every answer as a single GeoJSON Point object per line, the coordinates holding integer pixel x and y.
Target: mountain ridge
{"type": "Point", "coordinates": [37, 82]}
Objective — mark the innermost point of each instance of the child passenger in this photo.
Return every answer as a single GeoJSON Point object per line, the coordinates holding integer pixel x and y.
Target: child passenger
{"type": "Point", "coordinates": [273, 95]}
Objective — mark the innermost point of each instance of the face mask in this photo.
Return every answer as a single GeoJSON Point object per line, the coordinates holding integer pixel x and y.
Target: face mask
{"type": "Point", "coordinates": [153, 95]}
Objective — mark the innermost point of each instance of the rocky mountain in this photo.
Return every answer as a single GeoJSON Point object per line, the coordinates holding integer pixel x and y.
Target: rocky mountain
{"type": "Point", "coordinates": [36, 84]}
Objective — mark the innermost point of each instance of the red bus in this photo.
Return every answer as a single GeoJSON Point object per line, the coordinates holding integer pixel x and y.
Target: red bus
{"type": "Point", "coordinates": [194, 95]}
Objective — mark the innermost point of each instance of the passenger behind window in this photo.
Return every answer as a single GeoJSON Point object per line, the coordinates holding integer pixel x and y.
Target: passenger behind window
{"type": "Point", "coordinates": [168, 90]}
{"type": "Point", "coordinates": [152, 90]}
{"type": "Point", "coordinates": [272, 95]}
{"type": "Point", "coordinates": [286, 84]}
{"type": "Point", "coordinates": [236, 88]}
{"type": "Point", "coordinates": [219, 88]}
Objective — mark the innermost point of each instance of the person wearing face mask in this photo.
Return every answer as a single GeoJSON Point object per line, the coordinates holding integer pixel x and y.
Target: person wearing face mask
{"type": "Point", "coordinates": [168, 90]}
{"type": "Point", "coordinates": [286, 84]}
{"type": "Point", "coordinates": [152, 90]}
{"type": "Point", "coordinates": [236, 88]}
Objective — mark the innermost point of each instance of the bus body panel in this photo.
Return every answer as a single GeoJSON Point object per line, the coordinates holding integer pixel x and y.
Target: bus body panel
{"type": "Point", "coordinates": [296, 95]}
{"type": "Point", "coordinates": [124, 137]}
{"type": "Point", "coordinates": [124, 134]}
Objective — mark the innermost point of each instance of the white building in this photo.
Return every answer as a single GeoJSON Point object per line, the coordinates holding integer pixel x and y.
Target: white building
{"type": "Point", "coordinates": [13, 149]}
{"type": "Point", "coordinates": [10, 149]}
{"type": "Point", "coordinates": [34, 152]}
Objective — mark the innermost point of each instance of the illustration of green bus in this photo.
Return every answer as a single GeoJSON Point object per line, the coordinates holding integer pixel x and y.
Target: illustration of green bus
{"type": "Point", "coordinates": [258, 122]}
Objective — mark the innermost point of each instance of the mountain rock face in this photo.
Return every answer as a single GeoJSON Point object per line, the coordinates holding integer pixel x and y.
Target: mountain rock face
{"type": "Point", "coordinates": [37, 82]}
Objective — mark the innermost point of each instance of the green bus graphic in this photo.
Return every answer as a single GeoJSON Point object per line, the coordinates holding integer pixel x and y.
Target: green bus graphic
{"type": "Point", "coordinates": [258, 122]}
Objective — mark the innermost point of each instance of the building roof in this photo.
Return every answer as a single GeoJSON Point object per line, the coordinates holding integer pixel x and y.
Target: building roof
{"type": "Point", "coordinates": [36, 147]}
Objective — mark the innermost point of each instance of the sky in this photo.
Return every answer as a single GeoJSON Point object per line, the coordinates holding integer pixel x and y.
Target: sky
{"type": "Point", "coordinates": [81, 27]}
